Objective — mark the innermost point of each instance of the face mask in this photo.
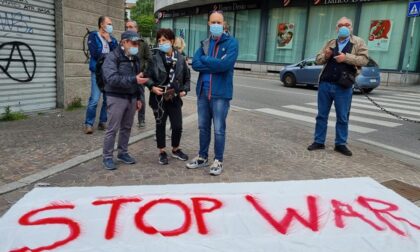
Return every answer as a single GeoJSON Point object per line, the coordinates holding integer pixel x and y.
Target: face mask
{"type": "Point", "coordinates": [133, 51]}
{"type": "Point", "coordinates": [165, 47]}
{"type": "Point", "coordinates": [216, 30]}
{"type": "Point", "coordinates": [109, 28]}
{"type": "Point", "coordinates": [343, 32]}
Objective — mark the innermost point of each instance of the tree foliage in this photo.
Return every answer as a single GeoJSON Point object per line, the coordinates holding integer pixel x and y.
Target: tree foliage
{"type": "Point", "coordinates": [143, 14]}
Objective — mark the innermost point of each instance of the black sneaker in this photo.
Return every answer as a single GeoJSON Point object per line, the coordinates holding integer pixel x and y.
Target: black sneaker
{"type": "Point", "coordinates": [179, 155]}
{"type": "Point", "coordinates": [316, 146]}
{"type": "Point", "coordinates": [343, 150]}
{"type": "Point", "coordinates": [163, 158]}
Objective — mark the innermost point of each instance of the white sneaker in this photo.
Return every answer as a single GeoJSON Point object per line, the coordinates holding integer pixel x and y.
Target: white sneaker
{"type": "Point", "coordinates": [216, 168]}
{"type": "Point", "coordinates": [197, 162]}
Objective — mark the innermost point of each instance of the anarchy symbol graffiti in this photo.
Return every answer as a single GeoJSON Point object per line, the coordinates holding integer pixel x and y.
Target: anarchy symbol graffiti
{"type": "Point", "coordinates": [25, 58]}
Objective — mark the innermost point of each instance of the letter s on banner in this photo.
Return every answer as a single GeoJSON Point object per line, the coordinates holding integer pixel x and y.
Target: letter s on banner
{"type": "Point", "coordinates": [71, 224]}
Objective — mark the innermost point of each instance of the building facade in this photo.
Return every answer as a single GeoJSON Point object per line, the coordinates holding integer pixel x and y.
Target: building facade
{"type": "Point", "coordinates": [273, 33]}
{"type": "Point", "coordinates": [42, 60]}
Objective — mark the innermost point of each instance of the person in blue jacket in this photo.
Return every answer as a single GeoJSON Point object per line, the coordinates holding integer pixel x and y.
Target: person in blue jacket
{"type": "Point", "coordinates": [99, 42]}
{"type": "Point", "coordinates": [215, 61]}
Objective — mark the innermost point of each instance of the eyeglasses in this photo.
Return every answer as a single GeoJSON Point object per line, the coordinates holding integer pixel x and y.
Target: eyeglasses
{"type": "Point", "coordinates": [341, 25]}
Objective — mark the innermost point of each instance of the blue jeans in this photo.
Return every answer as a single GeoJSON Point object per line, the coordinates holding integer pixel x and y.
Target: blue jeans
{"type": "Point", "coordinates": [327, 93]}
{"type": "Point", "coordinates": [93, 103]}
{"type": "Point", "coordinates": [215, 109]}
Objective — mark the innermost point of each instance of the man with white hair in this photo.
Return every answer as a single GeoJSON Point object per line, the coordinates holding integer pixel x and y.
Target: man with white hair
{"type": "Point", "coordinates": [341, 57]}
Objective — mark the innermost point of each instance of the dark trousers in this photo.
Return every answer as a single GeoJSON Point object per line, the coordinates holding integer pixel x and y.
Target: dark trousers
{"type": "Point", "coordinates": [171, 109]}
{"type": "Point", "coordinates": [121, 113]}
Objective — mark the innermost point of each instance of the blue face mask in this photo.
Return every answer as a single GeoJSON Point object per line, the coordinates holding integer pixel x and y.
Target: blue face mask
{"type": "Point", "coordinates": [165, 47]}
{"type": "Point", "coordinates": [109, 28]}
{"type": "Point", "coordinates": [133, 51]}
{"type": "Point", "coordinates": [216, 30]}
{"type": "Point", "coordinates": [343, 32]}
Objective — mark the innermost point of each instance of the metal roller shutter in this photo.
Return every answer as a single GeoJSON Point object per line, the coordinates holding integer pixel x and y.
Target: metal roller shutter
{"type": "Point", "coordinates": [27, 55]}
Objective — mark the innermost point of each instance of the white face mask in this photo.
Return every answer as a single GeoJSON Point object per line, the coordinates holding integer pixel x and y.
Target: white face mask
{"type": "Point", "coordinates": [133, 51]}
{"type": "Point", "coordinates": [109, 28]}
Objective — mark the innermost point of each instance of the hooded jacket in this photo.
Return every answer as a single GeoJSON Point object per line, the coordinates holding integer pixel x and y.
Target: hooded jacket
{"type": "Point", "coordinates": [220, 67]}
{"type": "Point", "coordinates": [95, 48]}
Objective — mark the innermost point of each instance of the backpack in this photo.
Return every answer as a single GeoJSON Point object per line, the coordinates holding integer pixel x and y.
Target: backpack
{"type": "Point", "coordinates": [100, 81]}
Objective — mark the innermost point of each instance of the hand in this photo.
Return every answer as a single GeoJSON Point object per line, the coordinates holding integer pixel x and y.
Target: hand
{"type": "Point", "coordinates": [328, 53]}
{"type": "Point", "coordinates": [138, 105]}
{"type": "Point", "coordinates": [182, 94]}
{"type": "Point", "coordinates": [203, 57]}
{"type": "Point", "coordinates": [157, 90]}
{"type": "Point", "coordinates": [340, 58]}
{"type": "Point", "coordinates": [140, 79]}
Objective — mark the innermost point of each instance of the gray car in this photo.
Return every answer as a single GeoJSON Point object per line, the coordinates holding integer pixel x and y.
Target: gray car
{"type": "Point", "coordinates": [307, 72]}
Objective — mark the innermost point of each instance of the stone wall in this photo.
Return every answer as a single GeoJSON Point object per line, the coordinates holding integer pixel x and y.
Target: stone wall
{"type": "Point", "coordinates": [73, 75]}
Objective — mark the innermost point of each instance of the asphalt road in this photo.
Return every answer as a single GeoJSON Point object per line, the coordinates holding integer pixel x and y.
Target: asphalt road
{"type": "Point", "coordinates": [369, 125]}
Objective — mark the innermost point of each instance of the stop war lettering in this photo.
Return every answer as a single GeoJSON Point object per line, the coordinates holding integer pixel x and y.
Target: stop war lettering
{"type": "Point", "coordinates": [197, 208]}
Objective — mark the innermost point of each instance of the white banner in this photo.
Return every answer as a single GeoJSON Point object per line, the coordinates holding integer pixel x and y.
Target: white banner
{"type": "Point", "coordinates": [345, 215]}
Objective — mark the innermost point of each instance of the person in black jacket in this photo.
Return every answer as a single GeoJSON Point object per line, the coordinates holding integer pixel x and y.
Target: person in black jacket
{"type": "Point", "coordinates": [121, 73]}
{"type": "Point", "coordinates": [169, 81]}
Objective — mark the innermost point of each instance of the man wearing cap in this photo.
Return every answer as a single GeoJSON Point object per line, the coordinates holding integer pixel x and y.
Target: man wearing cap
{"type": "Point", "coordinates": [121, 73]}
{"type": "Point", "coordinates": [145, 56]}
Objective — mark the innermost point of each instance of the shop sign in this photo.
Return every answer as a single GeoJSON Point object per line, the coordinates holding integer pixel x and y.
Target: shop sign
{"type": "Point", "coordinates": [330, 2]}
{"type": "Point", "coordinates": [206, 9]}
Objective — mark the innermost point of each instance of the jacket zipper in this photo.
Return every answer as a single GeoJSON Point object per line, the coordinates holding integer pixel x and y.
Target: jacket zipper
{"type": "Point", "coordinates": [216, 48]}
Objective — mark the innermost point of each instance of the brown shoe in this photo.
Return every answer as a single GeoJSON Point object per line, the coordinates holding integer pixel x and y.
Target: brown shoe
{"type": "Point", "coordinates": [102, 126]}
{"type": "Point", "coordinates": [88, 129]}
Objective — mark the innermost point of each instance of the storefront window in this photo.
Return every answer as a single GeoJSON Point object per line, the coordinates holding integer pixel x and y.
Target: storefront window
{"type": "Point", "coordinates": [412, 48]}
{"type": "Point", "coordinates": [247, 33]}
{"type": "Point", "coordinates": [182, 30]}
{"type": "Point", "coordinates": [285, 35]}
{"type": "Point", "coordinates": [229, 17]}
{"type": "Point", "coordinates": [198, 32]}
{"type": "Point", "coordinates": [166, 23]}
{"type": "Point", "coordinates": [322, 25]}
{"type": "Point", "coordinates": [382, 28]}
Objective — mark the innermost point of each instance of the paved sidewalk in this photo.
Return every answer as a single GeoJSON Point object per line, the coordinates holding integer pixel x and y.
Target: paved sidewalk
{"type": "Point", "coordinates": [30, 146]}
{"type": "Point", "coordinates": [259, 148]}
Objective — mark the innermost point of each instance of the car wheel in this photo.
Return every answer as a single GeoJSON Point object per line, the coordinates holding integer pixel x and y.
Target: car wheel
{"type": "Point", "coordinates": [289, 80]}
{"type": "Point", "coordinates": [367, 90]}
